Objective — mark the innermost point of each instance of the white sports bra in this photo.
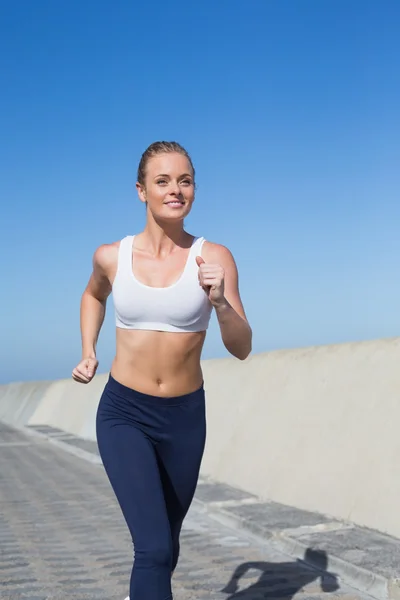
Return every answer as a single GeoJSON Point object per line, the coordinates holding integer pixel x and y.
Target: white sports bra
{"type": "Point", "coordinates": [181, 307]}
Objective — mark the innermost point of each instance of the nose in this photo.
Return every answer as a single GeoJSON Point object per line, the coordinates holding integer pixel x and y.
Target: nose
{"type": "Point", "coordinates": [175, 189]}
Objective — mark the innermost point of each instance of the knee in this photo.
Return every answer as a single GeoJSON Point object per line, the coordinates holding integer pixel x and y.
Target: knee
{"type": "Point", "coordinates": [156, 556]}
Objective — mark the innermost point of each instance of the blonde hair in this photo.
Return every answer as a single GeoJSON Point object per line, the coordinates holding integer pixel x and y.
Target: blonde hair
{"type": "Point", "coordinates": [154, 150]}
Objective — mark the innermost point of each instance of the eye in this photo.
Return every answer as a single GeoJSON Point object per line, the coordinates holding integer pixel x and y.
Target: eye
{"type": "Point", "coordinates": [161, 181]}
{"type": "Point", "coordinates": [187, 182]}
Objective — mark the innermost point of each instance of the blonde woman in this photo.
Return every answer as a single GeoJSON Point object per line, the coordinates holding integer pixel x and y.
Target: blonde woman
{"type": "Point", "coordinates": [151, 424]}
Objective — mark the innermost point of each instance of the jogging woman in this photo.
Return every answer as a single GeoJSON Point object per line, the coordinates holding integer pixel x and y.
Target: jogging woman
{"type": "Point", "coordinates": [151, 425]}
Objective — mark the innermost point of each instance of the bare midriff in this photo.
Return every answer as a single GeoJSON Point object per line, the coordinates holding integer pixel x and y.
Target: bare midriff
{"type": "Point", "coordinates": [159, 363]}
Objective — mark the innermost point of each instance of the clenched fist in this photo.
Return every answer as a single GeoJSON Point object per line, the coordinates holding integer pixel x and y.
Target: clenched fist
{"type": "Point", "coordinates": [211, 278]}
{"type": "Point", "coordinates": [85, 371]}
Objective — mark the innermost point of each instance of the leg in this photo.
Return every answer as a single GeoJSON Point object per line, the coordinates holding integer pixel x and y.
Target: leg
{"type": "Point", "coordinates": [131, 465]}
{"type": "Point", "coordinates": [179, 458]}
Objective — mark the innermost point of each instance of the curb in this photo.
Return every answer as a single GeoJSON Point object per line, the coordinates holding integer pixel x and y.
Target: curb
{"type": "Point", "coordinates": [365, 581]}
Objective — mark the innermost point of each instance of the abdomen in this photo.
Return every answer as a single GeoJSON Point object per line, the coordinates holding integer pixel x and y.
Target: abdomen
{"type": "Point", "coordinates": [159, 363]}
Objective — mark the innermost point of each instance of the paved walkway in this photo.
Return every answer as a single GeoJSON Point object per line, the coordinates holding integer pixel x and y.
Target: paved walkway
{"type": "Point", "coordinates": [62, 537]}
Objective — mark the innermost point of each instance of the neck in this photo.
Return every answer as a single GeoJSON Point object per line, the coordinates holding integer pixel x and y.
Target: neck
{"type": "Point", "coordinates": [163, 236]}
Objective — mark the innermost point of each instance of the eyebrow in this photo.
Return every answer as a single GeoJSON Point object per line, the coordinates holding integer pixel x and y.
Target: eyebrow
{"type": "Point", "coordinates": [180, 176]}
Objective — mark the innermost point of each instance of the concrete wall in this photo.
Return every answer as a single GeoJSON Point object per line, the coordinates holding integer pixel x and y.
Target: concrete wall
{"type": "Point", "coordinates": [315, 428]}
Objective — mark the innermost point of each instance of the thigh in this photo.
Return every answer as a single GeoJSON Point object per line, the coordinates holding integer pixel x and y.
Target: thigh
{"type": "Point", "coordinates": [131, 465]}
{"type": "Point", "coordinates": [180, 457]}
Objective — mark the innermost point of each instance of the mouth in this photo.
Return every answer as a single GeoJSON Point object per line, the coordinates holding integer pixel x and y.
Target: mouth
{"type": "Point", "coordinates": [175, 203]}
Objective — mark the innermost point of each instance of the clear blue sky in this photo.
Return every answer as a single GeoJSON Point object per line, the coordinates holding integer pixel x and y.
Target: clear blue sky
{"type": "Point", "coordinates": [291, 113]}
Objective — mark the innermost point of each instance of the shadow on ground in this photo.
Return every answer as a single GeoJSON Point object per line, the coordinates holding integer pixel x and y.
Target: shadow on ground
{"type": "Point", "coordinates": [281, 580]}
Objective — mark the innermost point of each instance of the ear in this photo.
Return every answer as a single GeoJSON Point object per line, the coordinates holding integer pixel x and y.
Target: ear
{"type": "Point", "coordinates": [141, 192]}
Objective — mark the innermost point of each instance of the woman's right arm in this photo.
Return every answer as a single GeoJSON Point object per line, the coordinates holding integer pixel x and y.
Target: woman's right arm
{"type": "Point", "coordinates": [93, 310]}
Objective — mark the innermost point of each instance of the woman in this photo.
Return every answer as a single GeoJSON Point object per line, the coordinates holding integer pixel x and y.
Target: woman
{"type": "Point", "coordinates": [150, 422]}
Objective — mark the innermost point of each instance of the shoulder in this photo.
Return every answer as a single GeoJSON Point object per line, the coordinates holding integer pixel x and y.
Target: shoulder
{"type": "Point", "coordinates": [105, 257]}
{"type": "Point", "coordinates": [217, 253]}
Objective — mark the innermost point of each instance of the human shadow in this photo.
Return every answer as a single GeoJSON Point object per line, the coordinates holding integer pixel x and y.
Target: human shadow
{"type": "Point", "coordinates": [282, 580]}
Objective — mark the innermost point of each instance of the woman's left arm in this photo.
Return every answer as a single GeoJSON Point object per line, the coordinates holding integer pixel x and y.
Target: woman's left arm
{"type": "Point", "coordinates": [218, 275]}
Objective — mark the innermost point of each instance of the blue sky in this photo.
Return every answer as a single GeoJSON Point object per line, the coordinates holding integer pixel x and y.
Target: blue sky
{"type": "Point", "coordinates": [290, 112]}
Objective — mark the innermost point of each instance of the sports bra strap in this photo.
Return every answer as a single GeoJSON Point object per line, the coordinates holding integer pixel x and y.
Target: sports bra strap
{"type": "Point", "coordinates": [125, 254]}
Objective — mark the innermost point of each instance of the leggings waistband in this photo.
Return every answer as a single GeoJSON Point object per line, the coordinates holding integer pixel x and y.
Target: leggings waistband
{"type": "Point", "coordinates": [130, 394]}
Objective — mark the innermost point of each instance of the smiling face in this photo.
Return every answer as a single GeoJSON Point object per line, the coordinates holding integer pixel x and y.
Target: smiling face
{"type": "Point", "coordinates": [168, 186]}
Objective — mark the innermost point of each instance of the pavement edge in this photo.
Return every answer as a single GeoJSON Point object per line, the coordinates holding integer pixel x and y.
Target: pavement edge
{"type": "Point", "coordinates": [365, 581]}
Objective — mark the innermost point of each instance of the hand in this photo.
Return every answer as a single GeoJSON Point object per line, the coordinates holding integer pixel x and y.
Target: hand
{"type": "Point", "coordinates": [85, 371]}
{"type": "Point", "coordinates": [211, 278]}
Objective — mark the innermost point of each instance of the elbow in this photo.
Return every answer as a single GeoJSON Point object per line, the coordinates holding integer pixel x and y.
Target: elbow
{"type": "Point", "coordinates": [244, 350]}
{"type": "Point", "coordinates": [247, 347]}
{"type": "Point", "coordinates": [240, 352]}
{"type": "Point", "coordinates": [245, 353]}
{"type": "Point", "coordinates": [241, 345]}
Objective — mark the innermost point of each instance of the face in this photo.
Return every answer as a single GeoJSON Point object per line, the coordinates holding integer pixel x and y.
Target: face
{"type": "Point", "coordinates": [169, 186]}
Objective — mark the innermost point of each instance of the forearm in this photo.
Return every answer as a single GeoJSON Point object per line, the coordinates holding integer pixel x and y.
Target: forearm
{"type": "Point", "coordinates": [92, 316]}
{"type": "Point", "coordinates": [236, 333]}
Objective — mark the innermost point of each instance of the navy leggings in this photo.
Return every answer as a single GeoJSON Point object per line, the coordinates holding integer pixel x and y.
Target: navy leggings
{"type": "Point", "coordinates": [151, 448]}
